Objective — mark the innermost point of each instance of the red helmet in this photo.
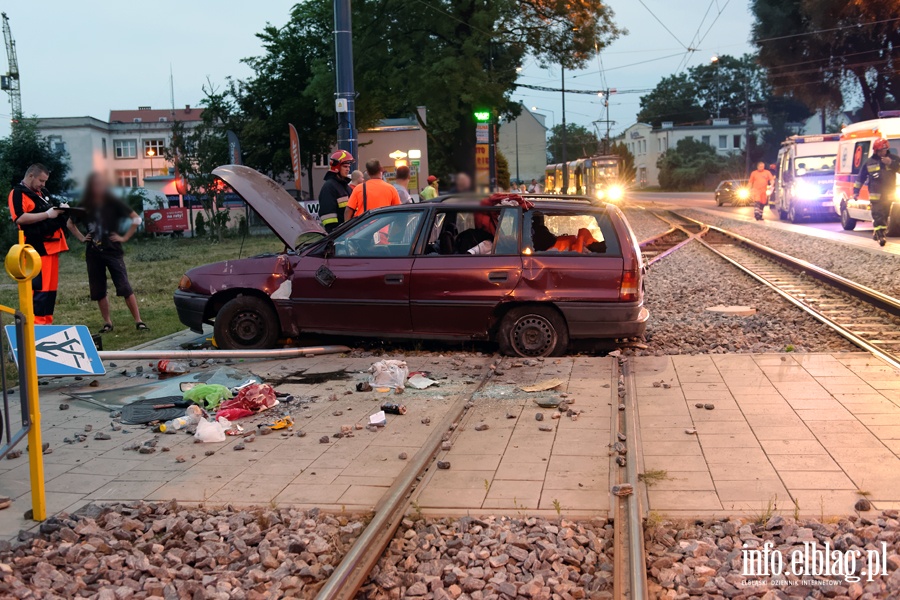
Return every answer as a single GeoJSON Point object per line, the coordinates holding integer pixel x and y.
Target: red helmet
{"type": "Point", "coordinates": [881, 144]}
{"type": "Point", "coordinates": [341, 157]}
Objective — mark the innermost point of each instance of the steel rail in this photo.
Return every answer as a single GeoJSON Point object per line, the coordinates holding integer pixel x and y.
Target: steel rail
{"type": "Point", "coordinates": [644, 245]}
{"type": "Point", "coordinates": [356, 565]}
{"type": "Point", "coordinates": [861, 292]}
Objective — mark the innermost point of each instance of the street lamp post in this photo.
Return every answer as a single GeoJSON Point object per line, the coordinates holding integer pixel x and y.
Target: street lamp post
{"type": "Point", "coordinates": [546, 110]}
{"type": "Point", "coordinates": [151, 153]}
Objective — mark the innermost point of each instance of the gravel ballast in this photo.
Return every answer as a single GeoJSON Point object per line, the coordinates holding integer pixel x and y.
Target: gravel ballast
{"type": "Point", "coordinates": [644, 224]}
{"type": "Point", "coordinates": [877, 270]}
{"type": "Point", "coordinates": [143, 550]}
{"type": "Point", "coordinates": [681, 286]}
{"type": "Point", "coordinates": [706, 560]}
{"type": "Point", "coordinates": [495, 557]}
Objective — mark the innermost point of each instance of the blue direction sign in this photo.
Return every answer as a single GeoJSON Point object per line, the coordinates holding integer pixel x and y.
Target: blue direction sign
{"type": "Point", "coordinates": [61, 350]}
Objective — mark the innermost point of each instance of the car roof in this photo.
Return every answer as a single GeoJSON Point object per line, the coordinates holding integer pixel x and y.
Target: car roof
{"type": "Point", "coordinates": [540, 201]}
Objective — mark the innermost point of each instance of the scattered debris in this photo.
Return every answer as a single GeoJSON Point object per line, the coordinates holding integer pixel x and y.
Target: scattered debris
{"type": "Point", "coordinates": [393, 408]}
{"type": "Point", "coordinates": [482, 427]}
{"type": "Point", "coordinates": [545, 428]}
{"type": "Point", "coordinates": [623, 489]}
{"type": "Point", "coordinates": [88, 428]}
{"type": "Point", "coordinates": [446, 445]}
{"type": "Point", "coordinates": [402, 456]}
{"type": "Point", "coordinates": [543, 386]}
{"type": "Point", "coordinates": [863, 505]}
{"type": "Point", "coordinates": [443, 464]}
{"type": "Point", "coordinates": [180, 459]}
{"type": "Point", "coordinates": [709, 406]}
{"type": "Point", "coordinates": [238, 446]}
{"type": "Point", "coordinates": [363, 386]}
{"type": "Point", "coordinates": [324, 439]}
{"type": "Point", "coordinates": [691, 431]}
{"type": "Point", "coordinates": [419, 381]}
{"type": "Point", "coordinates": [539, 416]}
{"type": "Point", "coordinates": [426, 421]}
{"type": "Point", "coordinates": [63, 406]}
{"type": "Point", "coordinates": [102, 435]}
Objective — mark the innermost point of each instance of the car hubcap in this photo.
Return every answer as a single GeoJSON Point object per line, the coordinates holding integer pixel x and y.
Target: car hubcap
{"type": "Point", "coordinates": [533, 335]}
{"type": "Point", "coordinates": [247, 327]}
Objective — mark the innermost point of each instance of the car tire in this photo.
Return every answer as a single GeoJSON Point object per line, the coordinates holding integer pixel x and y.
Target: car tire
{"type": "Point", "coordinates": [718, 200]}
{"type": "Point", "coordinates": [792, 215]}
{"type": "Point", "coordinates": [533, 331]}
{"type": "Point", "coordinates": [246, 323]}
{"type": "Point", "coordinates": [848, 223]}
{"type": "Point", "coordinates": [782, 215]}
{"type": "Point", "coordinates": [893, 224]}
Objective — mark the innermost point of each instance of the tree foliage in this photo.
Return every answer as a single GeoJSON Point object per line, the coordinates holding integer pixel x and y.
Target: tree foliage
{"type": "Point", "coordinates": [25, 146]}
{"type": "Point", "coordinates": [629, 172]}
{"type": "Point", "coordinates": [693, 165]}
{"type": "Point", "coordinates": [826, 52]}
{"type": "Point", "coordinates": [197, 150]}
{"type": "Point", "coordinates": [719, 89]}
{"type": "Point", "coordinates": [580, 142]}
{"type": "Point", "coordinates": [464, 53]}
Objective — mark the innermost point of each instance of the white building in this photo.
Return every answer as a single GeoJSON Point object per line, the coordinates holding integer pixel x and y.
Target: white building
{"type": "Point", "coordinates": [128, 148]}
{"type": "Point", "coordinates": [523, 141]}
{"type": "Point", "coordinates": [648, 144]}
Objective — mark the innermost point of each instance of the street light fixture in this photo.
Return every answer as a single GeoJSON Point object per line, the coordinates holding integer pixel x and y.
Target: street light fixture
{"type": "Point", "coordinates": [151, 153]}
{"type": "Point", "coordinates": [543, 110]}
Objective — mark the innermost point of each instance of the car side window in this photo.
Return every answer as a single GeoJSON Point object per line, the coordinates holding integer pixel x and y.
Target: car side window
{"type": "Point", "coordinates": [572, 233]}
{"type": "Point", "coordinates": [472, 232]}
{"type": "Point", "coordinates": [380, 235]}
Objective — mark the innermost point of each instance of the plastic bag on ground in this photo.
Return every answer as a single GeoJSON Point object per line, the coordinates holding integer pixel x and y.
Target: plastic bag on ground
{"type": "Point", "coordinates": [389, 374]}
{"type": "Point", "coordinates": [209, 395]}
{"type": "Point", "coordinates": [210, 431]}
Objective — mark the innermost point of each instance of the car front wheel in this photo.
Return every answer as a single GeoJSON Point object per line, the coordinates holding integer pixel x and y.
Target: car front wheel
{"type": "Point", "coordinates": [848, 223]}
{"type": "Point", "coordinates": [533, 331]}
{"type": "Point", "coordinates": [246, 323]}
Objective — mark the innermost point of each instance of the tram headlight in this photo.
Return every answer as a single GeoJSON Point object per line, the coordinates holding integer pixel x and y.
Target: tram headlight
{"type": "Point", "coordinates": [615, 192]}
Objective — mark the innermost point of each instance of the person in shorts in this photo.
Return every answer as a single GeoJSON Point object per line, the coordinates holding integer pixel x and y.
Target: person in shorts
{"type": "Point", "coordinates": [104, 217]}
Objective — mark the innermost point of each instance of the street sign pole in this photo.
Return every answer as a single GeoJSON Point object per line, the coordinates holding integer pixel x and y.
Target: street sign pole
{"type": "Point", "coordinates": [492, 154]}
{"type": "Point", "coordinates": [24, 264]}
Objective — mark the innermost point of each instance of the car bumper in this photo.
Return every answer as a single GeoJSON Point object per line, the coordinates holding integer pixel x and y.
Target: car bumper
{"type": "Point", "coordinates": [825, 206]}
{"type": "Point", "coordinates": [605, 320]}
{"type": "Point", "coordinates": [191, 308]}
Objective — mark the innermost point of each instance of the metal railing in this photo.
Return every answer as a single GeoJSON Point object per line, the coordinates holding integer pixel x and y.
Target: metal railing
{"type": "Point", "coordinates": [8, 439]}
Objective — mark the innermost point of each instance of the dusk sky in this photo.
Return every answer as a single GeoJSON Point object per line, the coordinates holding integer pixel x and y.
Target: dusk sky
{"type": "Point", "coordinates": [75, 62]}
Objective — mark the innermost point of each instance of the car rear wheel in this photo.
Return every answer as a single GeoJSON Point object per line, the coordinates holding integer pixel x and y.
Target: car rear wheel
{"type": "Point", "coordinates": [718, 200]}
{"type": "Point", "coordinates": [893, 224]}
{"type": "Point", "coordinates": [533, 331]}
{"type": "Point", "coordinates": [847, 222]}
{"type": "Point", "coordinates": [246, 323]}
{"type": "Point", "coordinates": [793, 217]}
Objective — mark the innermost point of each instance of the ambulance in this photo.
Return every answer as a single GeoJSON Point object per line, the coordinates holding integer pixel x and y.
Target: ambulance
{"type": "Point", "coordinates": [804, 178]}
{"type": "Point", "coordinates": [854, 149]}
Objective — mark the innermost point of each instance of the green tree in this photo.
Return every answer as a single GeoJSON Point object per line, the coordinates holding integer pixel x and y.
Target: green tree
{"type": "Point", "coordinates": [197, 150]}
{"type": "Point", "coordinates": [465, 55]}
{"type": "Point", "coordinates": [828, 52]}
{"type": "Point", "coordinates": [580, 142]}
{"type": "Point", "coordinates": [25, 146]}
{"type": "Point", "coordinates": [629, 172]}
{"type": "Point", "coordinates": [673, 99]}
{"type": "Point", "coordinates": [693, 165]}
{"type": "Point", "coordinates": [503, 177]}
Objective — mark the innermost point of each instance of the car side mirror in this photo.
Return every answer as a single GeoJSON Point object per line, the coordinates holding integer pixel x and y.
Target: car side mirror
{"type": "Point", "coordinates": [329, 248]}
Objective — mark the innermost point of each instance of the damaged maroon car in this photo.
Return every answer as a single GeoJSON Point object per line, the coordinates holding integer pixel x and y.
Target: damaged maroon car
{"type": "Point", "coordinates": [530, 273]}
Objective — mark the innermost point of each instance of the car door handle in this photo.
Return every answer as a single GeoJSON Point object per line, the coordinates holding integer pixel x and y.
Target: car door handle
{"type": "Point", "coordinates": [393, 279]}
{"type": "Point", "coordinates": [498, 276]}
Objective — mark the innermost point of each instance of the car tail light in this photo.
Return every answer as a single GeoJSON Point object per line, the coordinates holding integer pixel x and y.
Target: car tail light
{"type": "Point", "coordinates": [185, 283]}
{"type": "Point", "coordinates": [631, 282]}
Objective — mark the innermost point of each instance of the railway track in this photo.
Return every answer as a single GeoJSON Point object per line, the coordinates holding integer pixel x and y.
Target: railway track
{"type": "Point", "coordinates": [865, 317]}
{"type": "Point", "coordinates": [630, 577]}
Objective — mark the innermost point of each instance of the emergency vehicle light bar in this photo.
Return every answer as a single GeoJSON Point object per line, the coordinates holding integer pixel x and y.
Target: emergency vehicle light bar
{"type": "Point", "coordinates": [810, 139]}
{"type": "Point", "coordinates": [888, 114]}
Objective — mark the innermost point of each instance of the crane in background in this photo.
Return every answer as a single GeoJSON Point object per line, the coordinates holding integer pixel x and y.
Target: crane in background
{"type": "Point", "coordinates": [10, 82]}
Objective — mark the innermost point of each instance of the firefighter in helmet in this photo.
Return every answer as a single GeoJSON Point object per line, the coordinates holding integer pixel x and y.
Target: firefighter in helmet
{"type": "Point", "coordinates": [336, 190]}
{"type": "Point", "coordinates": [880, 174]}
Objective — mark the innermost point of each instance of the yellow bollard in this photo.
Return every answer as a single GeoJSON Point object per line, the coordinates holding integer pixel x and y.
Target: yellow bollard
{"type": "Point", "coordinates": [23, 264]}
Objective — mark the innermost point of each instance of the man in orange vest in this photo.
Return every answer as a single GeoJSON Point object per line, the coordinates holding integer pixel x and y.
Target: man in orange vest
{"type": "Point", "coordinates": [759, 189]}
{"type": "Point", "coordinates": [371, 194]}
{"type": "Point", "coordinates": [44, 227]}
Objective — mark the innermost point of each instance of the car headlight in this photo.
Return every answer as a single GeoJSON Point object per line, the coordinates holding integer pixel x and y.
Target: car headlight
{"type": "Point", "coordinates": [185, 283]}
{"type": "Point", "coordinates": [615, 192]}
{"type": "Point", "coordinates": [743, 193]}
{"type": "Point", "coordinates": [806, 191]}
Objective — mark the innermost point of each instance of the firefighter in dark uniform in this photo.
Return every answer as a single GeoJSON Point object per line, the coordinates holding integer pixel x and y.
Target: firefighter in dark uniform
{"type": "Point", "coordinates": [44, 227]}
{"type": "Point", "coordinates": [880, 174]}
{"type": "Point", "coordinates": [336, 190]}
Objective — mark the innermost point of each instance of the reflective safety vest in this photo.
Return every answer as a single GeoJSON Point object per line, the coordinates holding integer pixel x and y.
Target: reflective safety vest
{"type": "Point", "coordinates": [48, 236]}
{"type": "Point", "coordinates": [881, 178]}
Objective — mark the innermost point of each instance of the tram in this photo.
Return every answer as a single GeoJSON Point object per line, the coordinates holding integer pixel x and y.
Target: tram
{"type": "Point", "coordinates": [597, 176]}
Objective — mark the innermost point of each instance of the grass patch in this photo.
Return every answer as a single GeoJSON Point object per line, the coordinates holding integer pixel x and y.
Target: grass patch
{"type": "Point", "coordinates": [767, 511]}
{"type": "Point", "coordinates": [154, 268]}
{"type": "Point", "coordinates": [653, 476]}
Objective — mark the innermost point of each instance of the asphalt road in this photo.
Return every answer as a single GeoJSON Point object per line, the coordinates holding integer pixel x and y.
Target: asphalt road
{"type": "Point", "coordinates": [861, 237]}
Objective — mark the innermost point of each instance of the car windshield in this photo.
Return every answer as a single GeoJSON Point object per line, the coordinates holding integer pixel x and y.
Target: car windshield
{"type": "Point", "coordinates": [814, 165]}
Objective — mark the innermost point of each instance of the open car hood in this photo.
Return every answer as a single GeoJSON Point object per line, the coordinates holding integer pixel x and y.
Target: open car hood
{"type": "Point", "coordinates": [285, 216]}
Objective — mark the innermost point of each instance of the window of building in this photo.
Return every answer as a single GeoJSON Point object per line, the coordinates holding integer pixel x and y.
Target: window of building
{"type": "Point", "coordinates": [125, 148]}
{"type": "Point", "coordinates": [136, 120]}
{"type": "Point", "coordinates": [723, 141]}
{"type": "Point", "coordinates": [103, 147]}
{"type": "Point", "coordinates": [705, 140]}
{"type": "Point", "coordinates": [659, 144]}
{"type": "Point", "coordinates": [157, 146]}
{"type": "Point", "coordinates": [644, 146]}
{"type": "Point", "coordinates": [56, 143]}
{"type": "Point", "coordinates": [737, 142]}
{"type": "Point", "coordinates": [158, 172]}
{"type": "Point", "coordinates": [127, 178]}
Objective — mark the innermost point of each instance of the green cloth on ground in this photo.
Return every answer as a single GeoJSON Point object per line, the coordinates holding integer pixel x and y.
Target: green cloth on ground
{"type": "Point", "coordinates": [208, 396]}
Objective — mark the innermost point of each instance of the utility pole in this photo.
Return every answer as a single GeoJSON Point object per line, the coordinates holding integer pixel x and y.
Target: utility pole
{"type": "Point", "coordinates": [748, 126]}
{"type": "Point", "coordinates": [517, 149]}
{"type": "Point", "coordinates": [565, 167]}
{"type": "Point", "coordinates": [345, 93]}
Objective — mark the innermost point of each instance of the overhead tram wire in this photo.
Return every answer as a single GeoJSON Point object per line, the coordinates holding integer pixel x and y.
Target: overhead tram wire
{"type": "Point", "coordinates": [691, 44]}
{"type": "Point", "coordinates": [541, 88]}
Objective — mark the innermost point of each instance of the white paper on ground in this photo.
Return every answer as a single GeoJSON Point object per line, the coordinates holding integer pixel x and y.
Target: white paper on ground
{"type": "Point", "coordinates": [378, 418]}
{"type": "Point", "coordinates": [420, 382]}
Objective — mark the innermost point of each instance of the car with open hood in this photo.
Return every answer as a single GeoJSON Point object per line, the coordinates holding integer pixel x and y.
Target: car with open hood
{"type": "Point", "coordinates": [530, 272]}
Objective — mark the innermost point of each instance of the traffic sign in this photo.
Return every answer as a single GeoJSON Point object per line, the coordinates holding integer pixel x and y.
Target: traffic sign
{"type": "Point", "coordinates": [61, 350]}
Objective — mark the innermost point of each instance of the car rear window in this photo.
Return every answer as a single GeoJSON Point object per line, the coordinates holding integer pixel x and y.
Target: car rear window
{"type": "Point", "coordinates": [571, 233]}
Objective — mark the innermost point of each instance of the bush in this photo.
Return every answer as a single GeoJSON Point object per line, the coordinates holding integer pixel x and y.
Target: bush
{"type": "Point", "coordinates": [243, 227]}
{"type": "Point", "coordinates": [693, 166]}
{"type": "Point", "coordinates": [199, 225]}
